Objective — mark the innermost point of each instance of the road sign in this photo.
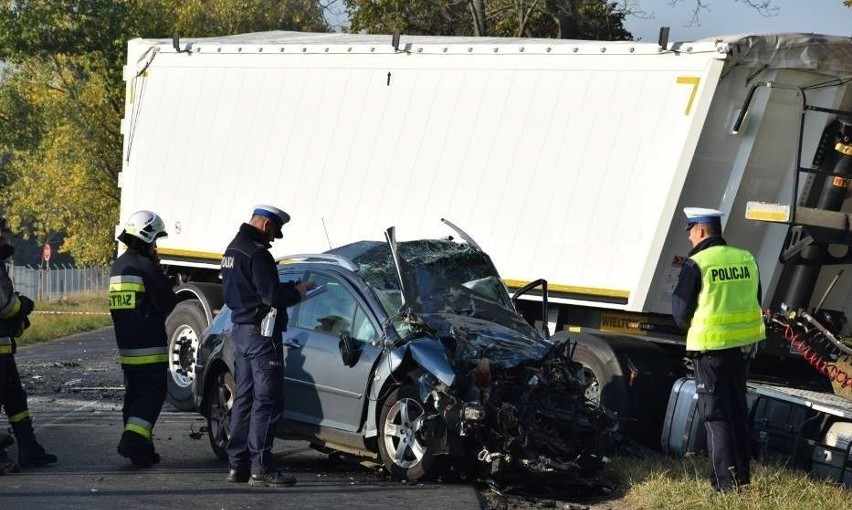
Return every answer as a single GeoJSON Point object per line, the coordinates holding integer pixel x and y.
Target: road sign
{"type": "Point", "coordinates": [45, 252]}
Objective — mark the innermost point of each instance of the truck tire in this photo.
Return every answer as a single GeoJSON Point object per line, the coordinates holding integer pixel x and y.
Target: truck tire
{"type": "Point", "coordinates": [630, 377]}
{"type": "Point", "coordinates": [607, 387]}
{"type": "Point", "coordinates": [184, 327]}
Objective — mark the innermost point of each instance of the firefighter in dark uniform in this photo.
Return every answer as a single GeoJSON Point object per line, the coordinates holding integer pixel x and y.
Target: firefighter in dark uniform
{"type": "Point", "coordinates": [258, 303]}
{"type": "Point", "coordinates": [140, 299]}
{"type": "Point", "coordinates": [717, 299]}
{"type": "Point", "coordinates": [14, 310]}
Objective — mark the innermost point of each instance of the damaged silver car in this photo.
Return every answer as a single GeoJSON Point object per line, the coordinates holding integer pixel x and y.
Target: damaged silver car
{"type": "Point", "coordinates": [413, 354]}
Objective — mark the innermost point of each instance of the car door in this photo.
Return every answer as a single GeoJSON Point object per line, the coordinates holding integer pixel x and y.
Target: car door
{"type": "Point", "coordinates": [319, 388]}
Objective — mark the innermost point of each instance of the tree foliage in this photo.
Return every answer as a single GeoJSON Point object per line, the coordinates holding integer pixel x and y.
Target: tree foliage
{"type": "Point", "coordinates": [61, 102]}
{"type": "Point", "coordinates": [569, 19]}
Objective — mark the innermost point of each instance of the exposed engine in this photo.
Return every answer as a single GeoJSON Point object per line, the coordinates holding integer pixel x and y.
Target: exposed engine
{"type": "Point", "coordinates": [529, 420]}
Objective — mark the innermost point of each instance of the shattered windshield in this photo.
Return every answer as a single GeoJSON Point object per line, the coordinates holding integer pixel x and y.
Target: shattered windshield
{"type": "Point", "coordinates": [440, 276]}
{"type": "Point", "coordinates": [448, 277]}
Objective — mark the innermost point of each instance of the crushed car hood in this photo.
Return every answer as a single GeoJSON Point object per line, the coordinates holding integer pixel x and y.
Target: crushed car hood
{"type": "Point", "coordinates": [472, 339]}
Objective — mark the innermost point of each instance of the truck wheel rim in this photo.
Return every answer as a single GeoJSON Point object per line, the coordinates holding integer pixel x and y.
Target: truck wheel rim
{"type": "Point", "coordinates": [182, 362]}
{"type": "Point", "coordinates": [593, 390]}
{"type": "Point", "coordinates": [401, 433]}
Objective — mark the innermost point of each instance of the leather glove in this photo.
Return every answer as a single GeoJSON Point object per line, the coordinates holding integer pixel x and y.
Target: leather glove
{"type": "Point", "coordinates": [27, 305]}
{"type": "Point", "coordinates": [18, 326]}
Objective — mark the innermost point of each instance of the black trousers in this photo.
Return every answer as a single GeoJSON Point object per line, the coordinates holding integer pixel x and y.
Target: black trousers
{"type": "Point", "coordinates": [259, 398]}
{"type": "Point", "coordinates": [720, 377]}
{"type": "Point", "coordinates": [13, 398]}
{"type": "Point", "coordinates": [144, 394]}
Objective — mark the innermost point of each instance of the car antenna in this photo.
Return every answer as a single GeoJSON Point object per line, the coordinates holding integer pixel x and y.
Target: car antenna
{"type": "Point", "coordinates": [326, 234]}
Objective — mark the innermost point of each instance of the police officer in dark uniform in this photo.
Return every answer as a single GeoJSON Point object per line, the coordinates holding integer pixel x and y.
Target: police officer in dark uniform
{"type": "Point", "coordinates": [14, 310]}
{"type": "Point", "coordinates": [717, 299]}
{"type": "Point", "coordinates": [258, 303]}
{"type": "Point", "coordinates": [140, 299]}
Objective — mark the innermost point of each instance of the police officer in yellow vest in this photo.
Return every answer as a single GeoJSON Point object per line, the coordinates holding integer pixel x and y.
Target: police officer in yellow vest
{"type": "Point", "coordinates": [717, 299]}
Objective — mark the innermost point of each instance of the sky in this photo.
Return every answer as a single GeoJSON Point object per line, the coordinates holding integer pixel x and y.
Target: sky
{"type": "Point", "coordinates": [727, 17]}
{"type": "Point", "coordinates": [724, 17]}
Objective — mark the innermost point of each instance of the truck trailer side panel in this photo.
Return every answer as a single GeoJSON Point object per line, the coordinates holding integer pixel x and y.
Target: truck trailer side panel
{"type": "Point", "coordinates": [561, 164]}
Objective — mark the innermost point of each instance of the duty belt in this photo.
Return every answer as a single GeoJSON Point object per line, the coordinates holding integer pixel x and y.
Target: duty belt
{"type": "Point", "coordinates": [745, 349]}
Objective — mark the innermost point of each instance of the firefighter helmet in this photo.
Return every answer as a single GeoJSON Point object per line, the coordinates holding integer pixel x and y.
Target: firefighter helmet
{"type": "Point", "coordinates": [145, 225]}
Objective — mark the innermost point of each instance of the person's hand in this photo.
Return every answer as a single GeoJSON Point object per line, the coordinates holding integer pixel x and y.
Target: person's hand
{"type": "Point", "coordinates": [27, 305]}
{"type": "Point", "coordinates": [304, 287]}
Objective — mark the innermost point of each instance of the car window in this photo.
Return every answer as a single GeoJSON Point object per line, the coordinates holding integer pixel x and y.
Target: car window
{"type": "Point", "coordinates": [362, 328]}
{"type": "Point", "coordinates": [334, 311]}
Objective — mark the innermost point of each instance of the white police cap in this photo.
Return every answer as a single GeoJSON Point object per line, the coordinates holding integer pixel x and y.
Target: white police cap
{"type": "Point", "coordinates": [275, 214]}
{"type": "Point", "coordinates": [701, 215]}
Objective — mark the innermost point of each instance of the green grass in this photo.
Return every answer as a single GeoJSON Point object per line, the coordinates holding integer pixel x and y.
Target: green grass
{"type": "Point", "coordinates": [676, 484]}
{"type": "Point", "coordinates": [74, 314]}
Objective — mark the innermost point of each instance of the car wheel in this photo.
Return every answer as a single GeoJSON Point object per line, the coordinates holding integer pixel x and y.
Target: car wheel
{"type": "Point", "coordinates": [184, 327]}
{"type": "Point", "coordinates": [221, 399]}
{"type": "Point", "coordinates": [401, 445]}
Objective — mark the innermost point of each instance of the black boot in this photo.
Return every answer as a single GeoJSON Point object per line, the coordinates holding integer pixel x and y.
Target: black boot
{"type": "Point", "coordinates": [6, 439]}
{"type": "Point", "coordinates": [137, 449]}
{"type": "Point", "coordinates": [30, 453]}
{"type": "Point", "coordinates": [7, 465]}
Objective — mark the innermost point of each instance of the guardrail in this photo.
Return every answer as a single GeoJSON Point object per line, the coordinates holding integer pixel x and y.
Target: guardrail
{"type": "Point", "coordinates": [54, 281]}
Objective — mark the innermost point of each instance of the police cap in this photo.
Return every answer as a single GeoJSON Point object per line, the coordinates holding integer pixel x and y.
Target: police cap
{"type": "Point", "coordinates": [275, 214]}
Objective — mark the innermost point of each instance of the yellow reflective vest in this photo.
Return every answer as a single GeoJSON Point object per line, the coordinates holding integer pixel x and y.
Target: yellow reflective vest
{"type": "Point", "coordinates": [727, 313]}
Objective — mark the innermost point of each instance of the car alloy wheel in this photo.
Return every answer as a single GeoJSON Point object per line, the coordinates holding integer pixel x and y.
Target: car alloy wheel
{"type": "Point", "coordinates": [401, 445]}
{"type": "Point", "coordinates": [221, 400]}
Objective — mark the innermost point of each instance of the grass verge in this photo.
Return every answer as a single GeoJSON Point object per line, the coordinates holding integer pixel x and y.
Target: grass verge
{"type": "Point", "coordinates": [666, 483]}
{"type": "Point", "coordinates": [70, 315]}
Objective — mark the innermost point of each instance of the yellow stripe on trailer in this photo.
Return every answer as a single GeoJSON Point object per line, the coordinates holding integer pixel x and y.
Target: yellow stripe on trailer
{"type": "Point", "coordinates": [172, 252]}
{"type": "Point", "coordinates": [572, 289]}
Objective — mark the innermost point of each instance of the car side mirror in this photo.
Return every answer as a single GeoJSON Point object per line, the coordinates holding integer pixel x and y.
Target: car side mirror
{"type": "Point", "coordinates": [350, 349]}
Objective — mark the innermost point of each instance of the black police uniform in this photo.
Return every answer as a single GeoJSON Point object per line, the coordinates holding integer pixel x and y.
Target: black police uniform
{"type": "Point", "coordinates": [721, 377]}
{"type": "Point", "coordinates": [251, 288]}
{"type": "Point", "coordinates": [13, 320]}
{"type": "Point", "coordinates": [140, 299]}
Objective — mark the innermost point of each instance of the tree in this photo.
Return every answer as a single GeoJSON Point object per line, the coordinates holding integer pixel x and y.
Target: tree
{"type": "Point", "coordinates": [763, 7]}
{"type": "Point", "coordinates": [575, 19]}
{"type": "Point", "coordinates": [61, 102]}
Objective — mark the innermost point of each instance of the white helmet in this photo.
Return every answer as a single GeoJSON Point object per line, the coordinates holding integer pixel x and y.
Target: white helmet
{"type": "Point", "coordinates": [145, 225]}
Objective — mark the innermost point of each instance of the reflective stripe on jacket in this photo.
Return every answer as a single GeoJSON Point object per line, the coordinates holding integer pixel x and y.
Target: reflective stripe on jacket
{"type": "Point", "coordinates": [140, 299]}
{"type": "Point", "coordinates": [6, 345]}
{"type": "Point", "coordinates": [728, 313]}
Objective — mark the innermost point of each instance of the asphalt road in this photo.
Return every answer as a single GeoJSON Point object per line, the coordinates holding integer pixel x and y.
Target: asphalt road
{"type": "Point", "coordinates": [75, 393]}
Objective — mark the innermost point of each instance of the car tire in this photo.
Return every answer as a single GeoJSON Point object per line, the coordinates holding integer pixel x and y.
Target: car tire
{"type": "Point", "coordinates": [402, 449]}
{"type": "Point", "coordinates": [184, 327]}
{"type": "Point", "coordinates": [220, 398]}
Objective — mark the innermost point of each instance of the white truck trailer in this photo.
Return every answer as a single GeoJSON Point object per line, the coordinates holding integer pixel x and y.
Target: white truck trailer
{"type": "Point", "coordinates": [566, 160]}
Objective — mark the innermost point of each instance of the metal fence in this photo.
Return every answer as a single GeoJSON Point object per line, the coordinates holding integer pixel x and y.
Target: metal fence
{"type": "Point", "coordinates": [53, 282]}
